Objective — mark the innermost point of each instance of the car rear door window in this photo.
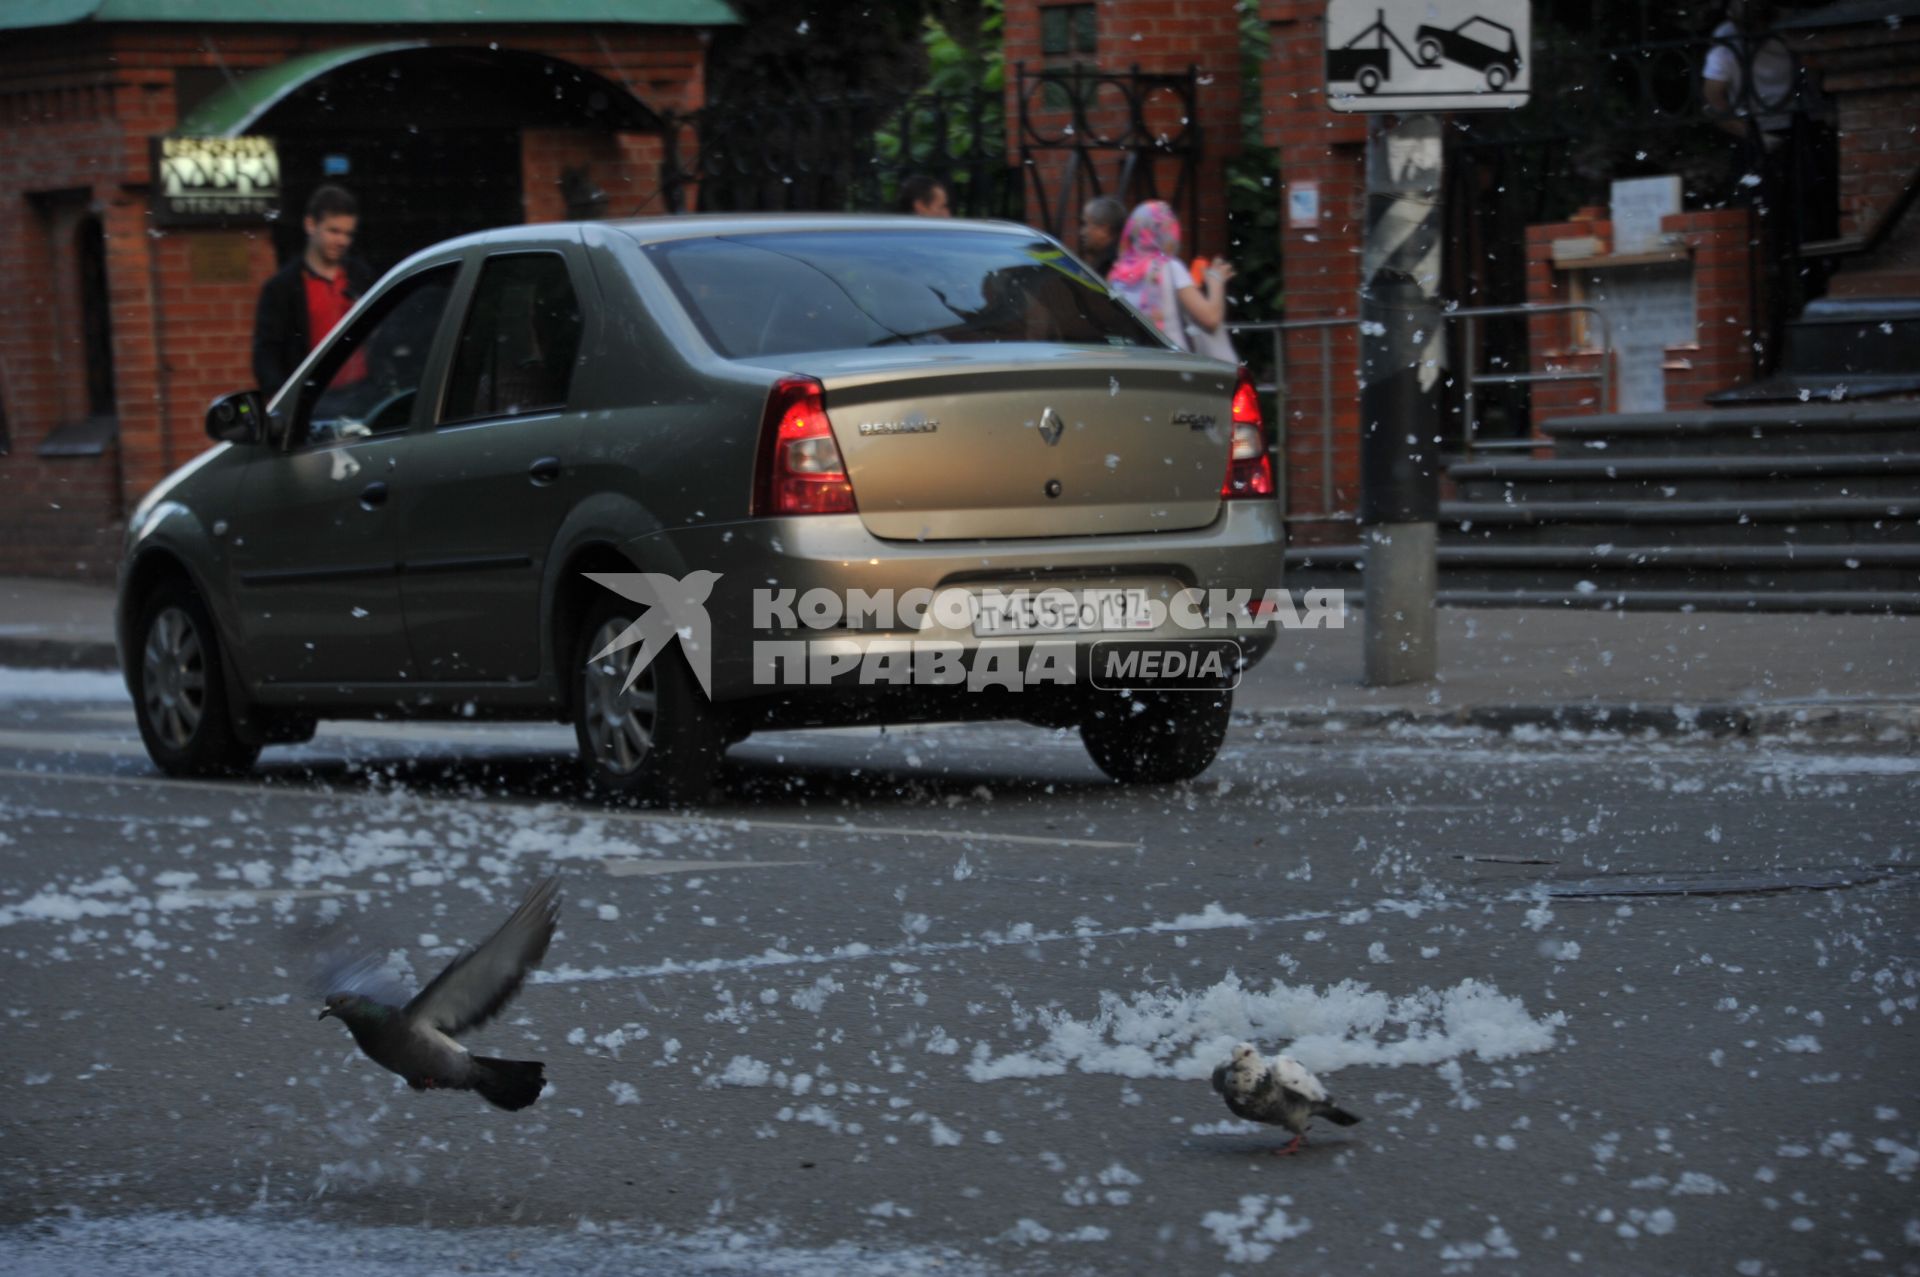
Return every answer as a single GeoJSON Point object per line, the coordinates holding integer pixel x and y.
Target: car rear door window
{"type": "Point", "coordinates": [520, 342]}
{"type": "Point", "coordinates": [755, 296]}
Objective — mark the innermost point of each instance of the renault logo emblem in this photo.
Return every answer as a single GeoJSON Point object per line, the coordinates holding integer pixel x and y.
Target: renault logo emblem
{"type": "Point", "coordinates": [1051, 427]}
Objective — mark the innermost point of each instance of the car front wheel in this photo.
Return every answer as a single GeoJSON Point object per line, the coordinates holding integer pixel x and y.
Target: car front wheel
{"type": "Point", "coordinates": [1155, 738]}
{"type": "Point", "coordinates": [179, 692]}
{"type": "Point", "coordinates": [656, 743]}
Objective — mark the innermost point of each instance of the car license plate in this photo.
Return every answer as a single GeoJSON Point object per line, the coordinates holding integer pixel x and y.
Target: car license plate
{"type": "Point", "coordinates": [1061, 612]}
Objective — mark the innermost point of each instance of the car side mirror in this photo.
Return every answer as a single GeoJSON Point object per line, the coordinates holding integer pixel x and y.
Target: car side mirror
{"type": "Point", "coordinates": [237, 418]}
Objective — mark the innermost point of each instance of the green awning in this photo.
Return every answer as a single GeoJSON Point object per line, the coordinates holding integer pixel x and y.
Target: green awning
{"type": "Point", "coordinates": [232, 111]}
{"type": "Point", "coordinates": [238, 107]}
{"type": "Point", "coordinates": [21, 14]}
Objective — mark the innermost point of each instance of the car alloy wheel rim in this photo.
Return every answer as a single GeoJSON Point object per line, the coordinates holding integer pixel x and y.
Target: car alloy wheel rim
{"type": "Point", "coordinates": [174, 678]}
{"type": "Point", "coordinates": [619, 723]}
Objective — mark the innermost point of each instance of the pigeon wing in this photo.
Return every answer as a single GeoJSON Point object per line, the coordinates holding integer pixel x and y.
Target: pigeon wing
{"type": "Point", "coordinates": [478, 983]}
{"type": "Point", "coordinates": [1293, 1075]}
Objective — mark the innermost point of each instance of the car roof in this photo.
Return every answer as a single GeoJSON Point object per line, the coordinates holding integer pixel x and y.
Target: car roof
{"type": "Point", "coordinates": [656, 230]}
{"type": "Point", "coordinates": [653, 230]}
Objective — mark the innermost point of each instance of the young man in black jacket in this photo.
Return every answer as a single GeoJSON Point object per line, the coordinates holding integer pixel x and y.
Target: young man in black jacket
{"type": "Point", "coordinates": [305, 298]}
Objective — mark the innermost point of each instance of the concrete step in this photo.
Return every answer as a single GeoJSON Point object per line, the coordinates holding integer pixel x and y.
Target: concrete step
{"type": "Point", "coordinates": [1690, 600]}
{"type": "Point", "coordinates": [1522, 469]}
{"type": "Point", "coordinates": [1697, 486]}
{"type": "Point", "coordinates": [1729, 512]}
{"type": "Point", "coordinates": [1752, 533]}
{"type": "Point", "coordinates": [1745, 430]}
{"type": "Point", "coordinates": [1821, 578]}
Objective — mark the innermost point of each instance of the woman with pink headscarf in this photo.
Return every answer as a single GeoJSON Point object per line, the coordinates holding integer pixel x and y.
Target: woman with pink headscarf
{"type": "Point", "coordinates": [1150, 275]}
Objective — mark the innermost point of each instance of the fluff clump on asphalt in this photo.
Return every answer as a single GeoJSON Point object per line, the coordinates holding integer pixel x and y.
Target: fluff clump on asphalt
{"type": "Point", "coordinates": [1178, 1033]}
{"type": "Point", "coordinates": [1279, 1092]}
{"type": "Point", "coordinates": [417, 1040]}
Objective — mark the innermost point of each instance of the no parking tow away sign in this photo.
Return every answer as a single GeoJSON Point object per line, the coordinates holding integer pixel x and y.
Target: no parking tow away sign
{"type": "Point", "coordinates": [1428, 55]}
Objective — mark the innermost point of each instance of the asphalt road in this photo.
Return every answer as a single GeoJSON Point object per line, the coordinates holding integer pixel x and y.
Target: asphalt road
{"type": "Point", "coordinates": [944, 1001]}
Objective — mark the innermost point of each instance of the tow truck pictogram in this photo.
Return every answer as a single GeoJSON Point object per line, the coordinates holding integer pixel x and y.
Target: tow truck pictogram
{"type": "Point", "coordinates": [1368, 68]}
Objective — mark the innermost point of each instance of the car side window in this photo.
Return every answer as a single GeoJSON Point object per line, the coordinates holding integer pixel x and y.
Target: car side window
{"type": "Point", "coordinates": [368, 380]}
{"type": "Point", "coordinates": [520, 342]}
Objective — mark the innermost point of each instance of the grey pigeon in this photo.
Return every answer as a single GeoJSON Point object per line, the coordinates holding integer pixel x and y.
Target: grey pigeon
{"type": "Point", "coordinates": [1279, 1092]}
{"type": "Point", "coordinates": [417, 1040]}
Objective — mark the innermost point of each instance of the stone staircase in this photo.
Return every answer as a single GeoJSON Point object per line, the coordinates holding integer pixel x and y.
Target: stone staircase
{"type": "Point", "coordinates": [1804, 507]}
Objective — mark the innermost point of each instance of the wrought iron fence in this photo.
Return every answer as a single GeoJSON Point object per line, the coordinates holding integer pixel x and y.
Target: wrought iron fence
{"type": "Point", "coordinates": [840, 154]}
{"type": "Point", "coordinates": [1115, 132]}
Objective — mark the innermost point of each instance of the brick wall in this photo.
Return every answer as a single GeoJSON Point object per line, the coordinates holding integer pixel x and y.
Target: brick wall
{"type": "Point", "coordinates": [1724, 350]}
{"type": "Point", "coordinates": [59, 136]}
{"type": "Point", "coordinates": [1320, 263]}
{"type": "Point", "coordinates": [1161, 36]}
{"type": "Point", "coordinates": [1873, 76]}
{"type": "Point", "coordinates": [78, 106]}
{"type": "Point", "coordinates": [1719, 354]}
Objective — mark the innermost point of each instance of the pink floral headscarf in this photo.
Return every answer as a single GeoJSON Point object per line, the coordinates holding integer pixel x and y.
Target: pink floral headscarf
{"type": "Point", "coordinates": [1150, 242]}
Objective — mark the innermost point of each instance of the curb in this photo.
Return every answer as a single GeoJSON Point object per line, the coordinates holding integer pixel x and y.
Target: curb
{"type": "Point", "coordinates": [1879, 721]}
{"type": "Point", "coordinates": [58, 653]}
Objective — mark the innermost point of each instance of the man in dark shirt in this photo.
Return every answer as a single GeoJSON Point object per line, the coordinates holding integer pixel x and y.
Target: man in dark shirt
{"type": "Point", "coordinates": [924, 196]}
{"type": "Point", "coordinates": [305, 298]}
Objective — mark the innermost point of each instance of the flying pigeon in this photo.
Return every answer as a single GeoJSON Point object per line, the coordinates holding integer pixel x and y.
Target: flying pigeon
{"type": "Point", "coordinates": [417, 1040]}
{"type": "Point", "coordinates": [1279, 1092]}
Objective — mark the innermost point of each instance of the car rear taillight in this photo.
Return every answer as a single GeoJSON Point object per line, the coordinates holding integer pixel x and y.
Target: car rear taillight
{"type": "Point", "coordinates": [1249, 468]}
{"type": "Point", "coordinates": [800, 467]}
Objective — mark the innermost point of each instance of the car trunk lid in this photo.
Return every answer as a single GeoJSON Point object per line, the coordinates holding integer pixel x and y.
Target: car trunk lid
{"type": "Point", "coordinates": [1028, 440]}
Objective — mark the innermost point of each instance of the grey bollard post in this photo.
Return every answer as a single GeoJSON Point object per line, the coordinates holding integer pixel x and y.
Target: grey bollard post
{"type": "Point", "coordinates": [1402, 363]}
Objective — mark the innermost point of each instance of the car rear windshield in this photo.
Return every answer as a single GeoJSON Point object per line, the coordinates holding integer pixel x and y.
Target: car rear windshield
{"type": "Point", "coordinates": [786, 293]}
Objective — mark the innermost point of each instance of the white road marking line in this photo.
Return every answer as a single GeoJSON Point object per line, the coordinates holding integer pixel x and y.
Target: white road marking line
{"type": "Point", "coordinates": [73, 743]}
{"type": "Point", "coordinates": [235, 895]}
{"type": "Point", "coordinates": [720, 824]}
{"type": "Point", "coordinates": [640, 867]}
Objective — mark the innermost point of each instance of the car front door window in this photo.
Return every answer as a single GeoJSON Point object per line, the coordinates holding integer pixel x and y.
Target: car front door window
{"type": "Point", "coordinates": [369, 379]}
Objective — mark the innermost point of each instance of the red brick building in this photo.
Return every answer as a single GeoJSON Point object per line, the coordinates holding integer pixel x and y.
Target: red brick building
{"type": "Point", "coordinates": [117, 329]}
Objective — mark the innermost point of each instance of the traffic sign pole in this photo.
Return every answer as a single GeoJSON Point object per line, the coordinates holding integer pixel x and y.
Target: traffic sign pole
{"type": "Point", "coordinates": [1402, 366]}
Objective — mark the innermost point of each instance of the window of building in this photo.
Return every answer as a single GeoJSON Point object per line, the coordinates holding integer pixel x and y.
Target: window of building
{"type": "Point", "coordinates": [521, 340]}
{"type": "Point", "coordinates": [96, 316]}
{"type": "Point", "coordinates": [1066, 30]}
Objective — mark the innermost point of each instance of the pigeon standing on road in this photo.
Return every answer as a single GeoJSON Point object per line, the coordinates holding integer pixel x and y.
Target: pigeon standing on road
{"type": "Point", "coordinates": [1279, 1092]}
{"type": "Point", "coordinates": [417, 1040]}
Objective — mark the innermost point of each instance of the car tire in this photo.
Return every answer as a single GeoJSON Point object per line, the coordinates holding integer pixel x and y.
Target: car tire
{"type": "Point", "coordinates": [179, 688]}
{"type": "Point", "coordinates": [1429, 53]}
{"type": "Point", "coordinates": [1156, 738]}
{"type": "Point", "coordinates": [656, 744]}
{"type": "Point", "coordinates": [1368, 80]}
{"type": "Point", "coordinates": [1497, 77]}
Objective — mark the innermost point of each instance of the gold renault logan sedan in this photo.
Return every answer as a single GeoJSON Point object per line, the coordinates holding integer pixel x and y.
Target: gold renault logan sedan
{"type": "Point", "coordinates": [679, 480]}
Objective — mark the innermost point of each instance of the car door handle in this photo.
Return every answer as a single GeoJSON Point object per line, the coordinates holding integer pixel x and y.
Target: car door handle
{"type": "Point", "coordinates": [544, 471]}
{"type": "Point", "coordinates": [373, 495]}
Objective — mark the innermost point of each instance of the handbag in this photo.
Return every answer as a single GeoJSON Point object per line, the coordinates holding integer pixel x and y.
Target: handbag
{"type": "Point", "coordinates": [1211, 342]}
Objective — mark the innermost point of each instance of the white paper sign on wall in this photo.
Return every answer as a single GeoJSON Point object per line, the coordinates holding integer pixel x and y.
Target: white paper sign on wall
{"type": "Point", "coordinates": [1429, 55]}
{"type": "Point", "coordinates": [1638, 205]}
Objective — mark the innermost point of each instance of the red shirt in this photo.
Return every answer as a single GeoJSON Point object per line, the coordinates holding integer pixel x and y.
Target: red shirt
{"type": "Point", "coordinates": [327, 305]}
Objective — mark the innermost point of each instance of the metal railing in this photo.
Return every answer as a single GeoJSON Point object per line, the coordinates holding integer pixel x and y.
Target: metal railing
{"type": "Point", "coordinates": [1280, 387]}
{"type": "Point", "coordinates": [1467, 315]}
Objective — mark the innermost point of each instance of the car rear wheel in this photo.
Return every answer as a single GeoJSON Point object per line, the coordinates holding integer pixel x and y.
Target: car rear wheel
{"type": "Point", "coordinates": [1369, 80]}
{"type": "Point", "coordinates": [179, 688]}
{"type": "Point", "coordinates": [1155, 738]}
{"type": "Point", "coordinates": [1497, 77]}
{"type": "Point", "coordinates": [657, 743]}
